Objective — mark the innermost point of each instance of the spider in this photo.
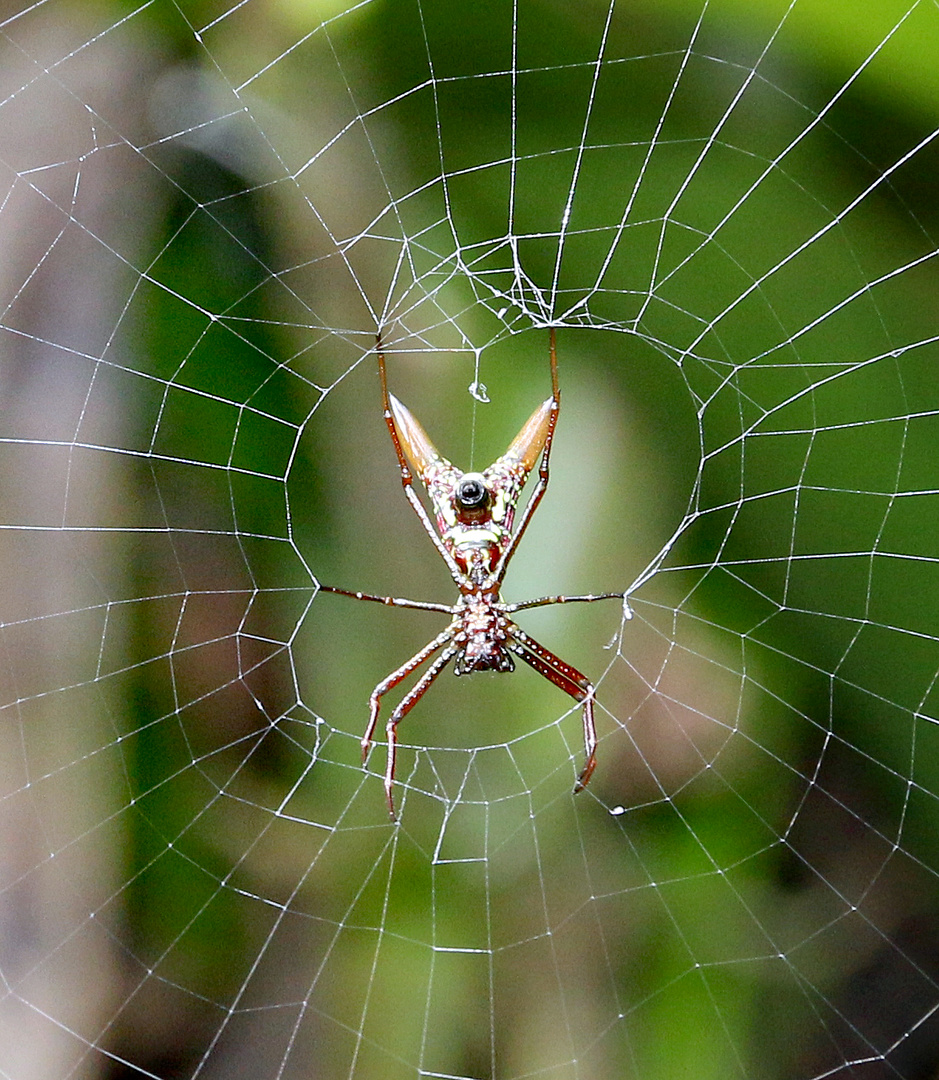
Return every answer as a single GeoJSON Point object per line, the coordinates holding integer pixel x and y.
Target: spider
{"type": "Point", "coordinates": [476, 537]}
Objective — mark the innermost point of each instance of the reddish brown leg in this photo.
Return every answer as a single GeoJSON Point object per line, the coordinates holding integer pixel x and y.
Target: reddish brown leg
{"type": "Point", "coordinates": [404, 706]}
{"type": "Point", "coordinates": [391, 681]}
{"type": "Point", "coordinates": [572, 682]}
{"type": "Point", "coordinates": [543, 601]}
{"type": "Point", "coordinates": [542, 486]}
{"type": "Point", "coordinates": [390, 601]}
{"type": "Point", "coordinates": [406, 479]}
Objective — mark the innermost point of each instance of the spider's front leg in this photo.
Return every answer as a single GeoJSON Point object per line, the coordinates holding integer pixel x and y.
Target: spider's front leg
{"type": "Point", "coordinates": [572, 682]}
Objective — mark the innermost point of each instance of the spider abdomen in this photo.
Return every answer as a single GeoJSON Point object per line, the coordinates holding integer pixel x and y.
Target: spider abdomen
{"type": "Point", "coordinates": [495, 659]}
{"type": "Point", "coordinates": [482, 638]}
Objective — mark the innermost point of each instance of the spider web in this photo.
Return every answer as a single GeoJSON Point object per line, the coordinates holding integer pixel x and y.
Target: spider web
{"type": "Point", "coordinates": [727, 211]}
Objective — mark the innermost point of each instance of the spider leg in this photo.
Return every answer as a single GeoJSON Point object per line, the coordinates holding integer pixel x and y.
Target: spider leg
{"type": "Point", "coordinates": [404, 706]}
{"type": "Point", "coordinates": [392, 680]}
{"type": "Point", "coordinates": [524, 605]}
{"type": "Point", "coordinates": [572, 682]}
{"type": "Point", "coordinates": [542, 486]}
{"type": "Point", "coordinates": [391, 601]}
{"type": "Point", "coordinates": [407, 481]}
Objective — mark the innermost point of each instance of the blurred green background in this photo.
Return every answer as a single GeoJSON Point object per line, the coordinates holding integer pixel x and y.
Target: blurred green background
{"type": "Point", "coordinates": [729, 210]}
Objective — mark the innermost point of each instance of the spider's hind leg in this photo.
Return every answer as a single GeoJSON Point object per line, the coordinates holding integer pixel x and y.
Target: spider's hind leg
{"type": "Point", "coordinates": [392, 680]}
{"type": "Point", "coordinates": [404, 706]}
{"type": "Point", "coordinates": [572, 682]}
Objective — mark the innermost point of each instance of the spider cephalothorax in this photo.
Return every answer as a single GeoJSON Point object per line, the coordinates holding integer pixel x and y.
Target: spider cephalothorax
{"type": "Point", "coordinates": [476, 537]}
